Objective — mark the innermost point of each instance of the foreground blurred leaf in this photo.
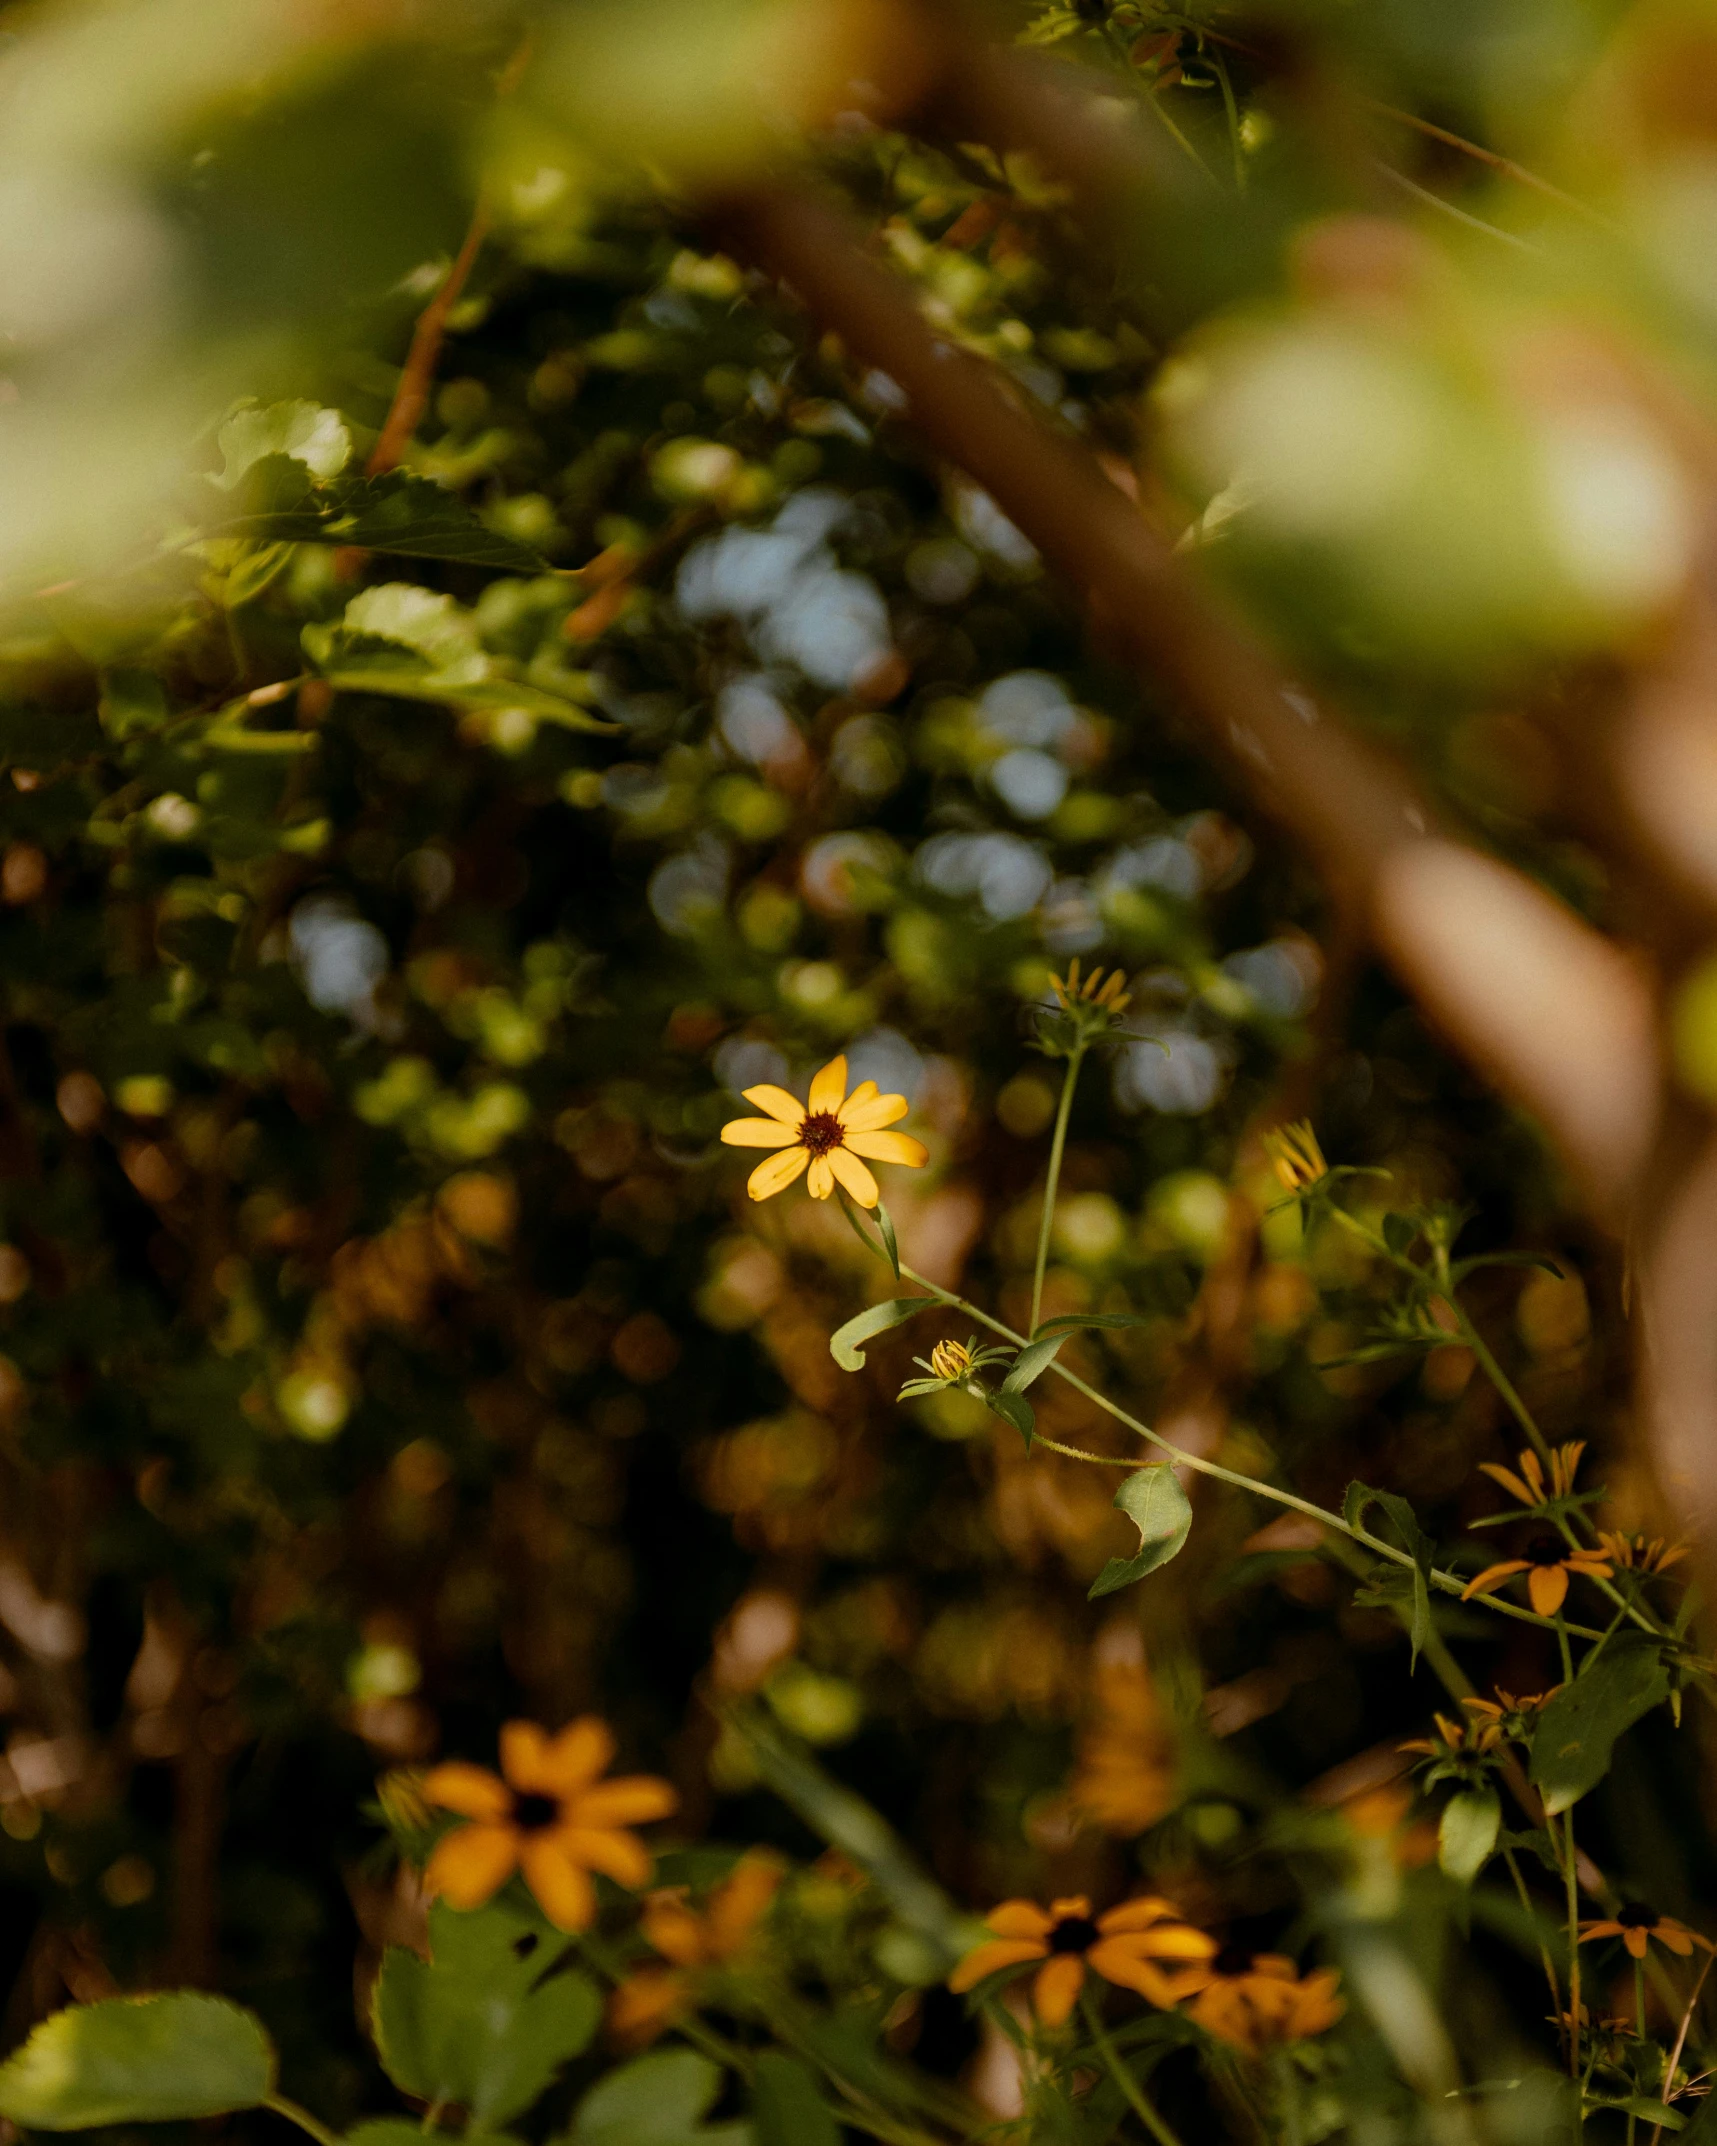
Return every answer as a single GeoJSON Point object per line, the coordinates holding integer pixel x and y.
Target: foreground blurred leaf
{"type": "Point", "coordinates": [1158, 1506]}
{"type": "Point", "coordinates": [138, 2060]}
{"type": "Point", "coordinates": [1466, 1833]}
{"type": "Point", "coordinates": [657, 2100]}
{"type": "Point", "coordinates": [788, 2108]}
{"type": "Point", "coordinates": [474, 2024]}
{"type": "Point", "coordinates": [1578, 1729]}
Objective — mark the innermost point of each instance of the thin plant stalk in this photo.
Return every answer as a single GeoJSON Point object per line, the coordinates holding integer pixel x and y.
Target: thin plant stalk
{"type": "Point", "coordinates": [1681, 2042]}
{"type": "Point", "coordinates": [1051, 1184]}
{"type": "Point", "coordinates": [295, 2114]}
{"type": "Point", "coordinates": [1137, 2099]}
{"type": "Point", "coordinates": [1571, 1880]}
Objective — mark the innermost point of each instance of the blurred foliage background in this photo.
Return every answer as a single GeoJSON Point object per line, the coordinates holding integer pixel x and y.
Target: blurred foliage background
{"type": "Point", "coordinates": [403, 872]}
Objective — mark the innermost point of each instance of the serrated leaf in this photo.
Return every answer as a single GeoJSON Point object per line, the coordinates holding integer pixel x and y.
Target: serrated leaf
{"type": "Point", "coordinates": [477, 2023]}
{"type": "Point", "coordinates": [1031, 1362]}
{"type": "Point", "coordinates": [1155, 1501]}
{"type": "Point", "coordinates": [844, 1342]}
{"type": "Point", "coordinates": [138, 2060]}
{"type": "Point", "coordinates": [1575, 1734]}
{"type": "Point", "coordinates": [302, 432]}
{"type": "Point", "coordinates": [1069, 1322]}
{"type": "Point", "coordinates": [403, 516]}
{"type": "Point", "coordinates": [658, 2100]}
{"type": "Point", "coordinates": [789, 2110]}
{"type": "Point", "coordinates": [1014, 1408]}
{"type": "Point", "coordinates": [1466, 1832]}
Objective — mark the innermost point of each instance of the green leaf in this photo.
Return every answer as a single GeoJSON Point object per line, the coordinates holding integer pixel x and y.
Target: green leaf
{"type": "Point", "coordinates": [138, 2060]}
{"type": "Point", "coordinates": [1654, 2112]}
{"type": "Point", "coordinates": [1070, 1322]}
{"type": "Point", "coordinates": [1399, 1232]}
{"type": "Point", "coordinates": [1576, 1732]}
{"type": "Point", "coordinates": [403, 516]}
{"type": "Point", "coordinates": [1466, 1833]}
{"type": "Point", "coordinates": [895, 1311]}
{"type": "Point", "coordinates": [788, 2108]}
{"type": "Point", "coordinates": [406, 2131]}
{"type": "Point", "coordinates": [885, 1223]}
{"type": "Point", "coordinates": [1541, 1260]}
{"type": "Point", "coordinates": [1031, 1362]}
{"type": "Point", "coordinates": [1155, 1502]}
{"type": "Point", "coordinates": [1357, 1504]}
{"type": "Point", "coordinates": [301, 431]}
{"type": "Point", "coordinates": [476, 2024]}
{"type": "Point", "coordinates": [1014, 1408]}
{"type": "Point", "coordinates": [657, 2100]}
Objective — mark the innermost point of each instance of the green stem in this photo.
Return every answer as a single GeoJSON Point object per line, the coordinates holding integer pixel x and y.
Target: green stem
{"type": "Point", "coordinates": [1137, 2099]}
{"type": "Point", "coordinates": [1057, 1145]}
{"type": "Point", "coordinates": [1531, 1915]}
{"type": "Point", "coordinates": [1639, 2026]}
{"type": "Point", "coordinates": [302, 2118]}
{"type": "Point", "coordinates": [1445, 1582]}
{"type": "Point", "coordinates": [1571, 1879]}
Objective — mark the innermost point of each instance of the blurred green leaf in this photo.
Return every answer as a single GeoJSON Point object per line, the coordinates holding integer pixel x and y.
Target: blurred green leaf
{"type": "Point", "coordinates": [658, 2100]}
{"type": "Point", "coordinates": [138, 2060]}
{"type": "Point", "coordinates": [787, 2106]}
{"type": "Point", "coordinates": [1576, 1732]}
{"type": "Point", "coordinates": [1157, 1504]}
{"type": "Point", "coordinates": [1355, 1508]}
{"type": "Point", "coordinates": [1466, 1832]}
{"type": "Point", "coordinates": [844, 1341]}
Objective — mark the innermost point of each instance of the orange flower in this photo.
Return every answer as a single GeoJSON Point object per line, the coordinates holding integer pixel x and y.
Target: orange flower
{"type": "Point", "coordinates": [652, 1998]}
{"type": "Point", "coordinates": [1563, 1462]}
{"type": "Point", "coordinates": [1549, 1562]}
{"type": "Point", "coordinates": [1252, 1999]}
{"type": "Point", "coordinates": [825, 1134]}
{"type": "Point", "coordinates": [1124, 1946]}
{"type": "Point", "coordinates": [1110, 996]}
{"type": "Point", "coordinates": [1638, 1555]}
{"type": "Point", "coordinates": [1636, 1926]}
{"type": "Point", "coordinates": [550, 1816]}
{"type": "Point", "coordinates": [1484, 1736]}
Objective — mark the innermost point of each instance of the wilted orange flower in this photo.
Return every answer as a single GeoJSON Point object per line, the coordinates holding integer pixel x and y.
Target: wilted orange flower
{"type": "Point", "coordinates": [1549, 1563]}
{"type": "Point", "coordinates": [652, 1998]}
{"type": "Point", "coordinates": [825, 1135]}
{"type": "Point", "coordinates": [1637, 1555]}
{"type": "Point", "coordinates": [1125, 1776]}
{"type": "Point", "coordinates": [1125, 1946]}
{"type": "Point", "coordinates": [1252, 1999]}
{"type": "Point", "coordinates": [547, 1814]}
{"type": "Point", "coordinates": [1533, 1490]}
{"type": "Point", "coordinates": [1636, 1926]}
{"type": "Point", "coordinates": [1506, 1714]}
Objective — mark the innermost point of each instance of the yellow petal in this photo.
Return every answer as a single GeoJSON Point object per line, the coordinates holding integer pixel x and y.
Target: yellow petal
{"type": "Point", "coordinates": [620, 1856]}
{"type": "Point", "coordinates": [524, 1758]}
{"type": "Point", "coordinates": [1509, 1481]}
{"type": "Point", "coordinates": [1493, 1576]}
{"type": "Point", "coordinates": [1674, 1936]}
{"type": "Point", "coordinates": [776, 1102]}
{"type": "Point", "coordinates": [820, 1180]}
{"type": "Point", "coordinates": [853, 1174]}
{"type": "Point", "coordinates": [1635, 1941]}
{"type": "Point", "coordinates": [562, 1887]}
{"type": "Point", "coordinates": [648, 2001]}
{"type": "Point", "coordinates": [471, 1864]}
{"type": "Point", "coordinates": [777, 1173]}
{"type": "Point", "coordinates": [890, 1147]}
{"type": "Point", "coordinates": [864, 1093]}
{"type": "Point", "coordinates": [991, 1959]}
{"type": "Point", "coordinates": [1136, 1915]}
{"type": "Point", "coordinates": [1056, 1990]}
{"type": "Point", "coordinates": [472, 1791]}
{"type": "Point", "coordinates": [1547, 1589]}
{"type": "Point", "coordinates": [630, 1799]}
{"type": "Point", "coordinates": [1020, 1918]}
{"type": "Point", "coordinates": [862, 1113]}
{"type": "Point", "coordinates": [578, 1754]}
{"type": "Point", "coordinates": [1070, 1904]}
{"type": "Point", "coordinates": [758, 1133]}
{"type": "Point", "coordinates": [736, 1908]}
{"type": "Point", "coordinates": [1128, 1972]}
{"type": "Point", "coordinates": [828, 1089]}
{"type": "Point", "coordinates": [675, 1931]}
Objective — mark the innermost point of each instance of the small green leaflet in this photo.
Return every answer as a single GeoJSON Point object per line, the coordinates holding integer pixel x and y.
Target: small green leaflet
{"type": "Point", "coordinates": [844, 1342]}
{"type": "Point", "coordinates": [1069, 1322]}
{"type": "Point", "coordinates": [1466, 1832]}
{"type": "Point", "coordinates": [1358, 1502]}
{"type": "Point", "coordinates": [404, 516]}
{"type": "Point", "coordinates": [1654, 2112]}
{"type": "Point", "coordinates": [890, 1249]}
{"type": "Point", "coordinates": [1031, 1362]}
{"type": "Point", "coordinates": [138, 2060]}
{"type": "Point", "coordinates": [1576, 1732]}
{"type": "Point", "coordinates": [1154, 1501]}
{"type": "Point", "coordinates": [1014, 1408]}
{"type": "Point", "coordinates": [657, 2100]}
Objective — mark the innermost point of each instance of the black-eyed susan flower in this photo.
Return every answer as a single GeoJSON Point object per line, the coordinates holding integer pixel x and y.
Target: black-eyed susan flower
{"type": "Point", "coordinates": [1637, 1925]}
{"type": "Point", "coordinates": [1295, 1156]}
{"type": "Point", "coordinates": [951, 1361]}
{"type": "Point", "coordinates": [547, 1814]}
{"type": "Point", "coordinates": [1100, 993]}
{"type": "Point", "coordinates": [1456, 1739]}
{"type": "Point", "coordinates": [1507, 1715]}
{"type": "Point", "coordinates": [1252, 2000]}
{"type": "Point", "coordinates": [1635, 1554]}
{"type": "Point", "coordinates": [1549, 1564]}
{"type": "Point", "coordinates": [1529, 1485]}
{"type": "Point", "coordinates": [1141, 1945]}
{"type": "Point", "coordinates": [823, 1138]}
{"type": "Point", "coordinates": [651, 1998]}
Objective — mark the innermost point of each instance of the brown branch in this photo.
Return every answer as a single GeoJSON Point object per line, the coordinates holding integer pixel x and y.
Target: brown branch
{"type": "Point", "coordinates": [411, 396]}
{"type": "Point", "coordinates": [1553, 1014]}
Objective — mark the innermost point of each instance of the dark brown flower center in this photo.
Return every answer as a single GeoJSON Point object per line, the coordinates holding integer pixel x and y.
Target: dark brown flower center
{"type": "Point", "coordinates": [1073, 1933]}
{"type": "Point", "coordinates": [1637, 1917]}
{"type": "Point", "coordinates": [532, 1811]}
{"type": "Point", "coordinates": [1546, 1550]}
{"type": "Point", "coordinates": [820, 1132]}
{"type": "Point", "coordinates": [1233, 1961]}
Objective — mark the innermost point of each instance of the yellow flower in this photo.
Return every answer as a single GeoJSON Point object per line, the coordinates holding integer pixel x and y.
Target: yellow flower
{"type": "Point", "coordinates": [1484, 1736]}
{"type": "Point", "coordinates": [1638, 1555]}
{"type": "Point", "coordinates": [1110, 994]}
{"type": "Point", "coordinates": [1124, 1946]}
{"type": "Point", "coordinates": [1251, 1999]}
{"type": "Point", "coordinates": [950, 1360]}
{"type": "Point", "coordinates": [652, 1998]}
{"type": "Point", "coordinates": [1549, 1564]}
{"type": "Point", "coordinates": [550, 1817]}
{"type": "Point", "coordinates": [826, 1134]}
{"type": "Point", "coordinates": [1636, 1926]}
{"type": "Point", "coordinates": [1563, 1462]}
{"type": "Point", "coordinates": [1294, 1151]}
